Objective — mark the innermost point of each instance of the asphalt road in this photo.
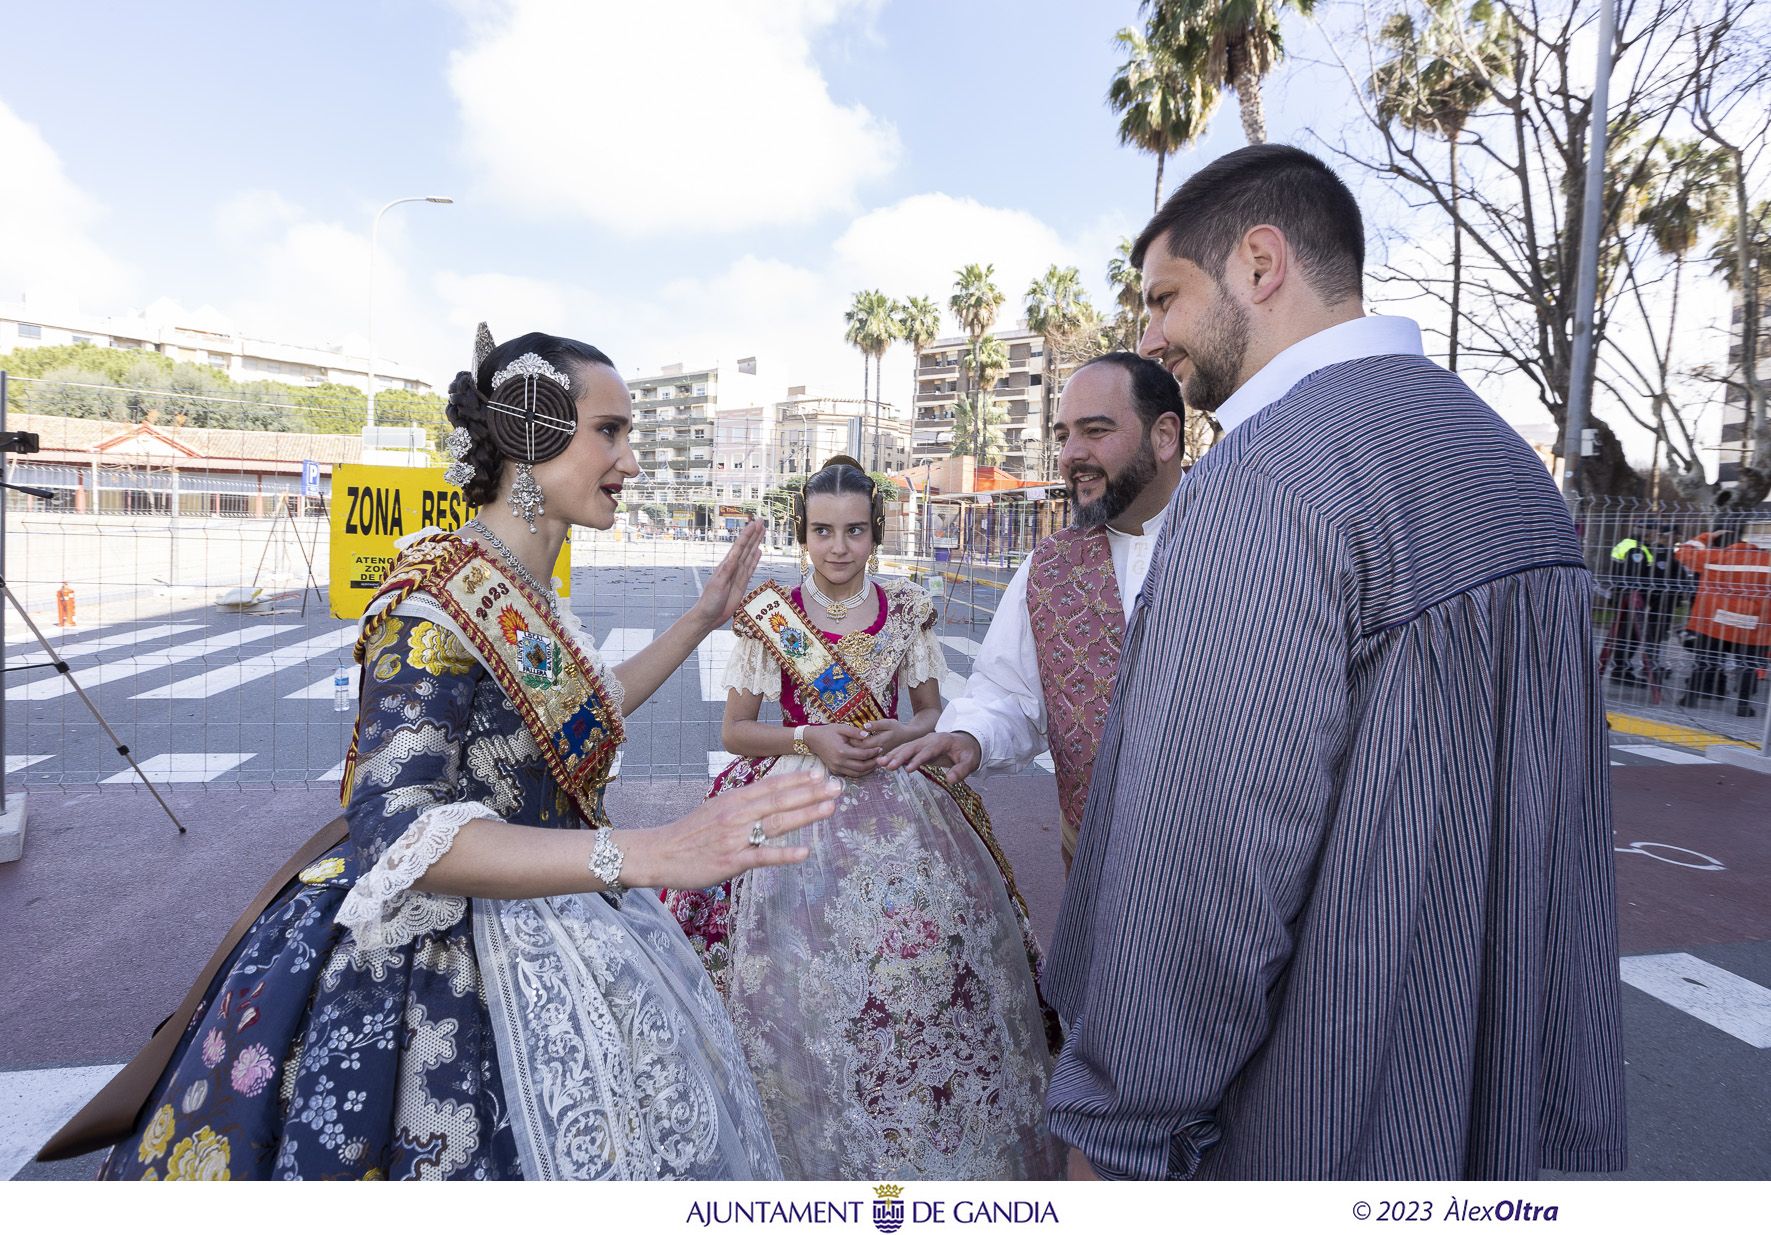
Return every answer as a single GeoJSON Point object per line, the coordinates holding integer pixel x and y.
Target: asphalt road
{"type": "Point", "coordinates": [110, 913]}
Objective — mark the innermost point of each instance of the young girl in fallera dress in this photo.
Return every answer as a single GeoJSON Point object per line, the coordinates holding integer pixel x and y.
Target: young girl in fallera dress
{"type": "Point", "coordinates": [884, 990]}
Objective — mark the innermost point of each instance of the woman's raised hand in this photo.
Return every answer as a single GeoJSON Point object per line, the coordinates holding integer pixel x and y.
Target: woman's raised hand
{"type": "Point", "coordinates": [731, 578]}
{"type": "Point", "coordinates": [718, 839]}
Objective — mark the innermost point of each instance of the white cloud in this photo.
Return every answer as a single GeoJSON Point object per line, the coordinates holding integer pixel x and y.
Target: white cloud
{"type": "Point", "coordinates": [48, 253]}
{"type": "Point", "coordinates": [914, 246]}
{"type": "Point", "coordinates": [699, 116]}
{"type": "Point", "coordinates": [790, 314]}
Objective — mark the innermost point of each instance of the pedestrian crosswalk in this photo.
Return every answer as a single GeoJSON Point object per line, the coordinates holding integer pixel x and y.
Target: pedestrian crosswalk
{"type": "Point", "coordinates": [240, 672]}
{"type": "Point", "coordinates": [1712, 994]}
{"type": "Point", "coordinates": [182, 769]}
{"type": "Point", "coordinates": [146, 662]}
{"type": "Point", "coordinates": [193, 662]}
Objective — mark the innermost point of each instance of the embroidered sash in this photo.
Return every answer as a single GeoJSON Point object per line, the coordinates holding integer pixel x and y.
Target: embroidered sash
{"type": "Point", "coordinates": [514, 634]}
{"type": "Point", "coordinates": [827, 683]}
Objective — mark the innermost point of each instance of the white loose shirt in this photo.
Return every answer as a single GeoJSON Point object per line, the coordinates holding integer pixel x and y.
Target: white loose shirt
{"type": "Point", "coordinates": [1358, 339]}
{"type": "Point", "coordinates": [1003, 703]}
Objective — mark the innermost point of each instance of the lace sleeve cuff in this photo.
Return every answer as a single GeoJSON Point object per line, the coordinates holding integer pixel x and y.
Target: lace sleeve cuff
{"type": "Point", "coordinates": [923, 659]}
{"type": "Point", "coordinates": [751, 669]}
{"type": "Point", "coordinates": [383, 910]}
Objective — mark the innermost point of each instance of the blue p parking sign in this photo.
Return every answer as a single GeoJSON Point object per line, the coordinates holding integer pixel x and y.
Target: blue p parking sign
{"type": "Point", "coordinates": [310, 478]}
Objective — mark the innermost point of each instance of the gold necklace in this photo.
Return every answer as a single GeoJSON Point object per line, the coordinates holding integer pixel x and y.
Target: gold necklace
{"type": "Point", "coordinates": [837, 609]}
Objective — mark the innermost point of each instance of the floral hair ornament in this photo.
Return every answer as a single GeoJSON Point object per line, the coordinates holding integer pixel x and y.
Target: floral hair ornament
{"type": "Point", "coordinates": [459, 443]}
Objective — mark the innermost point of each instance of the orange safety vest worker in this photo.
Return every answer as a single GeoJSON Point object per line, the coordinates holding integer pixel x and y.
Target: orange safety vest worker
{"type": "Point", "coordinates": [1733, 601]}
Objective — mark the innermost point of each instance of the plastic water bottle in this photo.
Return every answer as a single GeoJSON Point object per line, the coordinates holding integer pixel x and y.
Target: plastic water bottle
{"type": "Point", "coordinates": [341, 691]}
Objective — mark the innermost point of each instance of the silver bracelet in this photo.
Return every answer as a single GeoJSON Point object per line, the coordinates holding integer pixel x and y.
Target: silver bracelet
{"type": "Point", "coordinates": [605, 862]}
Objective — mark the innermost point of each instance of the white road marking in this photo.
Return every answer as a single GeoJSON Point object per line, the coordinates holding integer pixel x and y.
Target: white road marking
{"type": "Point", "coordinates": [716, 762]}
{"type": "Point", "coordinates": [714, 652]}
{"type": "Point", "coordinates": [132, 666]}
{"type": "Point", "coordinates": [623, 642]}
{"type": "Point", "coordinates": [1666, 754]}
{"type": "Point", "coordinates": [1711, 994]}
{"type": "Point", "coordinates": [323, 688]}
{"type": "Point", "coordinates": [965, 647]}
{"type": "Point", "coordinates": [34, 1104]}
{"type": "Point", "coordinates": [228, 677]}
{"type": "Point", "coordinates": [103, 644]}
{"type": "Point", "coordinates": [335, 773]}
{"type": "Point", "coordinates": [18, 763]}
{"type": "Point", "coordinates": [1045, 761]}
{"type": "Point", "coordinates": [183, 768]}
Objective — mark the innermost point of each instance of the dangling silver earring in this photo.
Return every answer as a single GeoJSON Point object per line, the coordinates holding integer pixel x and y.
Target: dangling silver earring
{"type": "Point", "coordinates": [526, 502]}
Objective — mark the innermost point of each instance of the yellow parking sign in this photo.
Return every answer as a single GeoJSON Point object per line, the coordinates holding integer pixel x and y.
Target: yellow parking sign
{"type": "Point", "coordinates": [372, 507]}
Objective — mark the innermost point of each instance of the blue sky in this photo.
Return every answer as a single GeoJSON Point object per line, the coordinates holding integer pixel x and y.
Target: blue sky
{"type": "Point", "coordinates": [684, 181]}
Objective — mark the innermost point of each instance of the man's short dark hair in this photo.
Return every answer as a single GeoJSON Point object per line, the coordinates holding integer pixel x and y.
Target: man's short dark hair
{"type": "Point", "coordinates": [1273, 184]}
{"type": "Point", "coordinates": [1153, 388]}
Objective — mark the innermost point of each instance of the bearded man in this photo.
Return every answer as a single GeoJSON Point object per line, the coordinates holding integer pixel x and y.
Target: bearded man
{"type": "Point", "coordinates": [1043, 677]}
{"type": "Point", "coordinates": [1344, 903]}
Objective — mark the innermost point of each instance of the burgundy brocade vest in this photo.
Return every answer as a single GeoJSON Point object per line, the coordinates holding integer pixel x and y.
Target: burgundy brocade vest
{"type": "Point", "coordinates": [1078, 628]}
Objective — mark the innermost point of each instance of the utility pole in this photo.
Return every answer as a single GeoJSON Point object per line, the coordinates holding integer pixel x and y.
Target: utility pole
{"type": "Point", "coordinates": [1580, 370]}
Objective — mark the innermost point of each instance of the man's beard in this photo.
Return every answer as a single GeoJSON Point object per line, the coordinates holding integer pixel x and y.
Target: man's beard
{"type": "Point", "coordinates": [1217, 358]}
{"type": "Point", "coordinates": [1122, 489]}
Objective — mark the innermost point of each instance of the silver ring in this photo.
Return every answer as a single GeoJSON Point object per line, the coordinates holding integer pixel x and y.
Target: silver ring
{"type": "Point", "coordinates": [757, 835]}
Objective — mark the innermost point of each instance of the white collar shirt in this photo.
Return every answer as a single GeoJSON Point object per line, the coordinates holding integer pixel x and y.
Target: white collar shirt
{"type": "Point", "coordinates": [1358, 339]}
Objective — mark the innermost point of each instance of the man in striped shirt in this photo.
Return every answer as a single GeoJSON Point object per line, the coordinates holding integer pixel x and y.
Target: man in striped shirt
{"type": "Point", "coordinates": [1343, 905]}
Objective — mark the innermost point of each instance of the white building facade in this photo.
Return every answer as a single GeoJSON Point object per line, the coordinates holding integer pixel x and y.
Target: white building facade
{"type": "Point", "coordinates": [240, 357]}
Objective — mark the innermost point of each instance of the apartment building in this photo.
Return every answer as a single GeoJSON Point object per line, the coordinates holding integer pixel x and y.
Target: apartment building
{"type": "Point", "coordinates": [1018, 394]}
{"type": "Point", "coordinates": [810, 428]}
{"type": "Point", "coordinates": [742, 471]}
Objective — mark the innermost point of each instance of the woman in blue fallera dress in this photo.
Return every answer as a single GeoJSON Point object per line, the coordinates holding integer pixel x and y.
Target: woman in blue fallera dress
{"type": "Point", "coordinates": [460, 989]}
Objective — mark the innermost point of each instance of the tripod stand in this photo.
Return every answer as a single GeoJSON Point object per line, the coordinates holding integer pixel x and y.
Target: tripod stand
{"type": "Point", "coordinates": [26, 443]}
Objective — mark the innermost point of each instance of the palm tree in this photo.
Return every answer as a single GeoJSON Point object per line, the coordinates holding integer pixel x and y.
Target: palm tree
{"type": "Point", "coordinates": [979, 436]}
{"type": "Point", "coordinates": [1433, 82]}
{"type": "Point", "coordinates": [974, 303]}
{"type": "Point", "coordinates": [985, 364]}
{"type": "Point", "coordinates": [1232, 43]}
{"type": "Point", "coordinates": [871, 329]}
{"type": "Point", "coordinates": [1127, 282]}
{"type": "Point", "coordinates": [1690, 196]}
{"type": "Point", "coordinates": [1162, 107]}
{"type": "Point", "coordinates": [919, 324]}
{"type": "Point", "coordinates": [1057, 307]}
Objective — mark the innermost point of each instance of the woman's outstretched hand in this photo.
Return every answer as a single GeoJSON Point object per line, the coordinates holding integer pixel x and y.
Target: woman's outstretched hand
{"type": "Point", "coordinates": [731, 578]}
{"type": "Point", "coordinates": [712, 843]}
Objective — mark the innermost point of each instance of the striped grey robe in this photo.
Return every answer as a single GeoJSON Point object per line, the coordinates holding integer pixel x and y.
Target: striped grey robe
{"type": "Point", "coordinates": [1344, 901]}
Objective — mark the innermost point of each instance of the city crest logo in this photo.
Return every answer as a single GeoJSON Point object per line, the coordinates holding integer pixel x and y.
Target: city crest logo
{"type": "Point", "coordinates": [888, 1208]}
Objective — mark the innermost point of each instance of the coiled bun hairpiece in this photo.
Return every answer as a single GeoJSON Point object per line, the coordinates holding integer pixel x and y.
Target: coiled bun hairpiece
{"type": "Point", "coordinates": [532, 413]}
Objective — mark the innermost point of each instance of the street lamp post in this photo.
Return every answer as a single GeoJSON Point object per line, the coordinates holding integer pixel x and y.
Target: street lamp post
{"type": "Point", "coordinates": [374, 238]}
{"type": "Point", "coordinates": [1580, 369]}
